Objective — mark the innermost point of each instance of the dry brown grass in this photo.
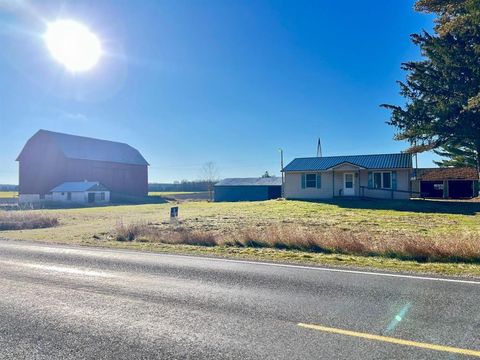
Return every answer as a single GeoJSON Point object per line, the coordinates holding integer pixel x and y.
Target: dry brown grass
{"type": "Point", "coordinates": [462, 248]}
{"type": "Point", "coordinates": [177, 235]}
{"type": "Point", "coordinates": [13, 220]}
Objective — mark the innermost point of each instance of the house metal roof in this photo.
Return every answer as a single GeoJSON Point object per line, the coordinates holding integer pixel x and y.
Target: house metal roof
{"type": "Point", "coordinates": [270, 181]}
{"type": "Point", "coordinates": [79, 186]}
{"type": "Point", "coordinates": [378, 161]}
{"type": "Point", "coordinates": [85, 148]}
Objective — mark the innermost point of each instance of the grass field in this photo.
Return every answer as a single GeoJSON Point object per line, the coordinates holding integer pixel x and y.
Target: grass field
{"type": "Point", "coordinates": [8, 194]}
{"type": "Point", "coordinates": [381, 220]}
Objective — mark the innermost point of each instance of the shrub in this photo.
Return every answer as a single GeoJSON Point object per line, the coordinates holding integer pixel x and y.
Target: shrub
{"type": "Point", "coordinates": [21, 220]}
{"type": "Point", "coordinates": [129, 232]}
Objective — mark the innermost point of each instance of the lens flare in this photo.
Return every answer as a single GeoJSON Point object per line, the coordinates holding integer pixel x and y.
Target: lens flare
{"type": "Point", "coordinates": [73, 45]}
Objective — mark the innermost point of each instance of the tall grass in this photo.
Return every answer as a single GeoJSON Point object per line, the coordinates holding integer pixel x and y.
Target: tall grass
{"type": "Point", "coordinates": [441, 248]}
{"type": "Point", "coordinates": [179, 235]}
{"type": "Point", "coordinates": [20, 220]}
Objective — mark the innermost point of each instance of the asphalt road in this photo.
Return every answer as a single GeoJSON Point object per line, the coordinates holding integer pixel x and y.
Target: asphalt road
{"type": "Point", "coordinates": [81, 303]}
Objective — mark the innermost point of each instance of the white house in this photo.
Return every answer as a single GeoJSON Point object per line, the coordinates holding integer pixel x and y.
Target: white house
{"type": "Point", "coordinates": [385, 176]}
{"type": "Point", "coordinates": [82, 192]}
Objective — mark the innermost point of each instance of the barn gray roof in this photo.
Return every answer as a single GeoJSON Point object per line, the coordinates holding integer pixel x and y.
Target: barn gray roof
{"type": "Point", "coordinates": [79, 186]}
{"type": "Point", "coordinates": [270, 181]}
{"type": "Point", "coordinates": [85, 148]}
{"type": "Point", "coordinates": [379, 161]}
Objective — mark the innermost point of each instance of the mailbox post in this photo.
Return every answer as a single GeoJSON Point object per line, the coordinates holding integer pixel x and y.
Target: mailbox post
{"type": "Point", "coordinates": [174, 215]}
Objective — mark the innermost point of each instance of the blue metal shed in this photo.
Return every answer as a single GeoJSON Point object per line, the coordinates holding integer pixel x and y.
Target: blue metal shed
{"type": "Point", "coordinates": [248, 189]}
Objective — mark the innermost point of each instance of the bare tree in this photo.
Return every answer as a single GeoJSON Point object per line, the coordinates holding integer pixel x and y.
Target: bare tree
{"type": "Point", "coordinates": [210, 174]}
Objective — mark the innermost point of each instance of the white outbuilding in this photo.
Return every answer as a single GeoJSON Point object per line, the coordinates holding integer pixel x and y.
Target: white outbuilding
{"type": "Point", "coordinates": [81, 192]}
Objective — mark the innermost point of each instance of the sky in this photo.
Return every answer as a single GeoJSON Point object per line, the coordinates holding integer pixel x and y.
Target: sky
{"type": "Point", "coordinates": [227, 81]}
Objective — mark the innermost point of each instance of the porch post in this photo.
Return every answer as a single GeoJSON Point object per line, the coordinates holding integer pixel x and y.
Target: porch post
{"type": "Point", "coordinates": [357, 183]}
{"type": "Point", "coordinates": [333, 183]}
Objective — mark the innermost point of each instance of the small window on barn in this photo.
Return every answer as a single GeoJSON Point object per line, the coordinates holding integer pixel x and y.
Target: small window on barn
{"type": "Point", "coordinates": [102, 196]}
{"type": "Point", "coordinates": [63, 193]}
{"type": "Point", "coordinates": [42, 196]}
{"type": "Point", "coordinates": [311, 181]}
{"type": "Point", "coordinates": [69, 196]}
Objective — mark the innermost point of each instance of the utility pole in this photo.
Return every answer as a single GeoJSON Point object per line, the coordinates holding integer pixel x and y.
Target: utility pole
{"type": "Point", "coordinates": [281, 171]}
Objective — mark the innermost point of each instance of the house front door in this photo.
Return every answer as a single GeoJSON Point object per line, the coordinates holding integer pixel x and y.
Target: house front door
{"type": "Point", "coordinates": [348, 184]}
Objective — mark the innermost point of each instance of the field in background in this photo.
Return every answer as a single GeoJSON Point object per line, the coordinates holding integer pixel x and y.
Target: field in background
{"type": "Point", "coordinates": [180, 195]}
{"type": "Point", "coordinates": [375, 222]}
{"type": "Point", "coordinates": [8, 194]}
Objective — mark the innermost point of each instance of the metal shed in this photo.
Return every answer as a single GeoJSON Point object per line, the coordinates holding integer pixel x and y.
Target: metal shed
{"type": "Point", "coordinates": [81, 192]}
{"type": "Point", "coordinates": [248, 189]}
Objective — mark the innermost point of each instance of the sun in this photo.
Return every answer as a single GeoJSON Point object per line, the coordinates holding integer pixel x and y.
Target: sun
{"type": "Point", "coordinates": [73, 45]}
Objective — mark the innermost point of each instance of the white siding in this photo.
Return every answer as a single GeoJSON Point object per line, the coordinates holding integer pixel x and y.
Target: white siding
{"type": "Point", "coordinates": [28, 198]}
{"type": "Point", "coordinates": [339, 181]}
{"type": "Point", "coordinates": [80, 197]}
{"type": "Point", "coordinates": [293, 185]}
{"type": "Point", "coordinates": [98, 196]}
{"type": "Point", "coordinates": [403, 184]}
{"type": "Point", "coordinates": [346, 167]}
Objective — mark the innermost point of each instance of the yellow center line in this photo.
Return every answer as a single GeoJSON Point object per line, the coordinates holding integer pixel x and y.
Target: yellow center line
{"type": "Point", "coordinates": [392, 340]}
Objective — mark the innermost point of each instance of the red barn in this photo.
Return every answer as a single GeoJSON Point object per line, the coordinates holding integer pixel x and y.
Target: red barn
{"type": "Point", "coordinates": [49, 159]}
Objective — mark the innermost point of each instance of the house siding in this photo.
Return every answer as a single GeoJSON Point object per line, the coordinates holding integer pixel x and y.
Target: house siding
{"type": "Point", "coordinates": [332, 184]}
{"type": "Point", "coordinates": [403, 184]}
{"type": "Point", "coordinates": [293, 186]}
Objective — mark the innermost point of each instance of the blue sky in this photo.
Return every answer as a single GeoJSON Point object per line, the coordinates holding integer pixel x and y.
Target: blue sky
{"type": "Point", "coordinates": [228, 81]}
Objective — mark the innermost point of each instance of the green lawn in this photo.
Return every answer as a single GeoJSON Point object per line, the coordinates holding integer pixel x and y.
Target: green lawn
{"type": "Point", "coordinates": [93, 226]}
{"type": "Point", "coordinates": [8, 194]}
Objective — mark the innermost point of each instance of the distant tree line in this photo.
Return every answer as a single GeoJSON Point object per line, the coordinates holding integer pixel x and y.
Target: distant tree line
{"type": "Point", "coordinates": [183, 185]}
{"type": "Point", "coordinates": [209, 175]}
{"type": "Point", "coordinates": [6, 187]}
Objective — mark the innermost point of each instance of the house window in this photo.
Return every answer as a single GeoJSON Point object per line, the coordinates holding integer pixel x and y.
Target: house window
{"type": "Point", "coordinates": [42, 196]}
{"type": "Point", "coordinates": [311, 180]}
{"type": "Point", "coordinates": [377, 180]}
{"type": "Point", "coordinates": [387, 180]}
{"type": "Point", "coordinates": [69, 196]}
{"type": "Point", "coordinates": [102, 196]}
{"type": "Point", "coordinates": [382, 180]}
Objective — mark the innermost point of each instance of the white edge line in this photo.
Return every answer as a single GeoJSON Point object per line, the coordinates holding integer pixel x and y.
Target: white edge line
{"type": "Point", "coordinates": [291, 266]}
{"type": "Point", "coordinates": [305, 267]}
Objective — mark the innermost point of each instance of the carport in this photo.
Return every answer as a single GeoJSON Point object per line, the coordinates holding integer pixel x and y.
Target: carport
{"type": "Point", "coordinates": [447, 183]}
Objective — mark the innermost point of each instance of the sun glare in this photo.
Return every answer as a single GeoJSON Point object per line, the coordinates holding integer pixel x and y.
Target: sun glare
{"type": "Point", "coordinates": [73, 45]}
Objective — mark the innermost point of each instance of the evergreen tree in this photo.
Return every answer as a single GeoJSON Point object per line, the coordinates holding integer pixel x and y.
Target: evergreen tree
{"type": "Point", "coordinates": [442, 110]}
{"type": "Point", "coordinates": [456, 156]}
